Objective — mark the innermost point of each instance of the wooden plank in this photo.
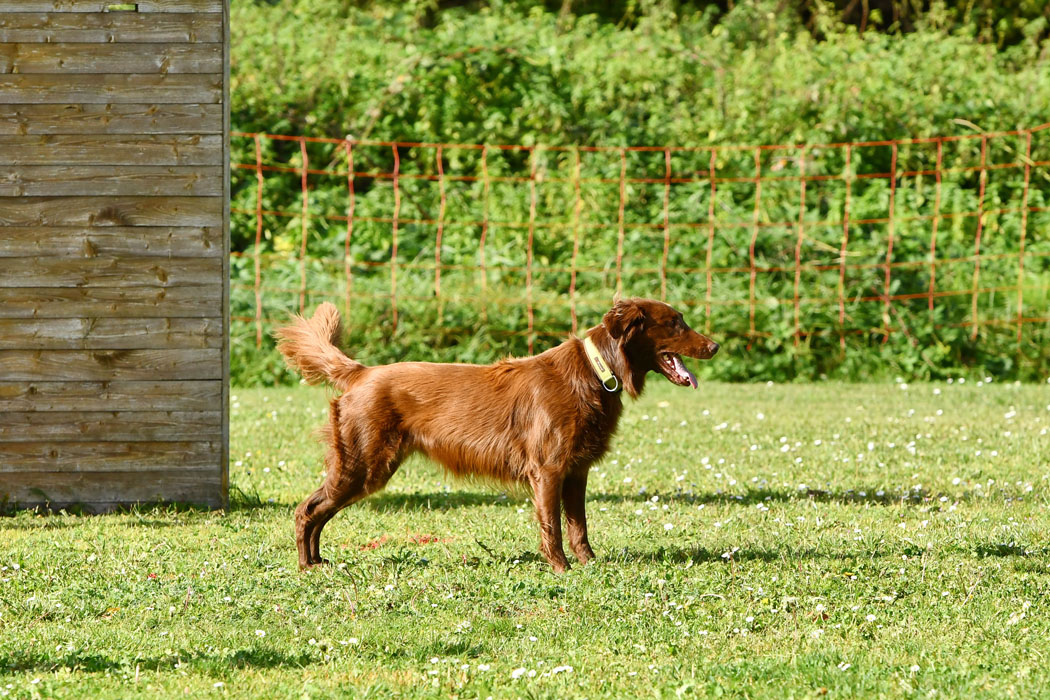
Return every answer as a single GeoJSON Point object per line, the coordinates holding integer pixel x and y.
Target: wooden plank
{"type": "Point", "coordinates": [109, 365]}
{"type": "Point", "coordinates": [109, 88]}
{"type": "Point", "coordinates": [204, 395]}
{"type": "Point", "coordinates": [116, 211]}
{"type": "Point", "coordinates": [103, 491]}
{"type": "Point", "coordinates": [225, 463]}
{"type": "Point", "coordinates": [109, 426]}
{"type": "Point", "coordinates": [121, 241]}
{"type": "Point", "coordinates": [112, 149]}
{"type": "Point", "coordinates": [28, 58]}
{"type": "Point", "coordinates": [108, 272]}
{"type": "Point", "coordinates": [111, 119]}
{"type": "Point", "coordinates": [109, 27]}
{"type": "Point", "coordinates": [107, 456]}
{"type": "Point", "coordinates": [72, 180]}
{"type": "Point", "coordinates": [144, 6]}
{"type": "Point", "coordinates": [110, 302]}
{"type": "Point", "coordinates": [109, 333]}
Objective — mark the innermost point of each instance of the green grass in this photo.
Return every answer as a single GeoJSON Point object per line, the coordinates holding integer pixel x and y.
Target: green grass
{"type": "Point", "coordinates": [760, 541]}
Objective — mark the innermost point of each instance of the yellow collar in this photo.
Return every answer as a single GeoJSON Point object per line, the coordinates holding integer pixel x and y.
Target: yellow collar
{"type": "Point", "coordinates": [599, 366]}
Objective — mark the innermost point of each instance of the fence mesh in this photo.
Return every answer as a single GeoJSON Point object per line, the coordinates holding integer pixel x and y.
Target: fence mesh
{"type": "Point", "coordinates": [776, 245]}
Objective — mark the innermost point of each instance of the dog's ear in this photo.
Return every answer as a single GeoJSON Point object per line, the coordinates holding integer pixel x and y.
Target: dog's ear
{"type": "Point", "coordinates": [624, 319]}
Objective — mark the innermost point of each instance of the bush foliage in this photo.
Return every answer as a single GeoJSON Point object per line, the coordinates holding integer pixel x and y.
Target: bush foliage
{"type": "Point", "coordinates": [659, 73]}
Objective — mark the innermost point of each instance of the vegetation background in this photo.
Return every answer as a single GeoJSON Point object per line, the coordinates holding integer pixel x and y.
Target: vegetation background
{"type": "Point", "coordinates": [647, 73]}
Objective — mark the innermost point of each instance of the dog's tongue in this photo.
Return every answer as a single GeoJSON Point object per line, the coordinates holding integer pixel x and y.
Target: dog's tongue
{"type": "Point", "coordinates": [683, 373]}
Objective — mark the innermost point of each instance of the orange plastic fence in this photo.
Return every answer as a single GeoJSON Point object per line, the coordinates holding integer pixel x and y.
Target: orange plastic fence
{"type": "Point", "coordinates": [770, 166]}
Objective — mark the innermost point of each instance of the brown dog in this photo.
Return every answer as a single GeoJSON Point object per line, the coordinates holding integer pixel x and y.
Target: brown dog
{"type": "Point", "coordinates": [539, 420]}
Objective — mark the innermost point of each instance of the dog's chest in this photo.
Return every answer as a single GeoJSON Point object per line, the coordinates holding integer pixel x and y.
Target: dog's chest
{"type": "Point", "coordinates": [596, 428]}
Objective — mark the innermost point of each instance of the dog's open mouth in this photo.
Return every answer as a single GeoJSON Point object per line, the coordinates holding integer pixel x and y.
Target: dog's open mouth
{"type": "Point", "coordinates": [672, 367]}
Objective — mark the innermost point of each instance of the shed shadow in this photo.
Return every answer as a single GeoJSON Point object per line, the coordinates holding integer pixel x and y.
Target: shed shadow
{"type": "Point", "coordinates": [54, 517]}
{"type": "Point", "coordinates": [97, 663]}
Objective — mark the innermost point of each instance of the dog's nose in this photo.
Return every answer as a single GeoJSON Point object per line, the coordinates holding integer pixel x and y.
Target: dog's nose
{"type": "Point", "coordinates": [714, 348]}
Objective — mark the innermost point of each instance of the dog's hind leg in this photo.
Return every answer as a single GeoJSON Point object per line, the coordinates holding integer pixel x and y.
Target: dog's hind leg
{"type": "Point", "coordinates": [350, 478]}
{"type": "Point", "coordinates": [308, 524]}
{"type": "Point", "coordinates": [574, 496]}
{"type": "Point", "coordinates": [313, 514]}
{"type": "Point", "coordinates": [335, 494]}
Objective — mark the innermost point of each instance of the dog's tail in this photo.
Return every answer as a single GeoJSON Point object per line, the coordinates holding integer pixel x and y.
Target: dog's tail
{"type": "Point", "coordinates": [309, 346]}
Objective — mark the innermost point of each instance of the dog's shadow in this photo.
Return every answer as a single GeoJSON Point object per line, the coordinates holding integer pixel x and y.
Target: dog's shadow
{"type": "Point", "coordinates": [449, 500]}
{"type": "Point", "coordinates": [388, 501]}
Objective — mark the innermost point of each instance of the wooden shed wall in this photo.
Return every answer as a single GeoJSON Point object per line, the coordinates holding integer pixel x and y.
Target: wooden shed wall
{"type": "Point", "coordinates": [114, 231]}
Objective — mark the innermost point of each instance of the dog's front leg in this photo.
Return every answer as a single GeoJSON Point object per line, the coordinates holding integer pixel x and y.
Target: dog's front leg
{"type": "Point", "coordinates": [546, 494]}
{"type": "Point", "coordinates": [574, 496]}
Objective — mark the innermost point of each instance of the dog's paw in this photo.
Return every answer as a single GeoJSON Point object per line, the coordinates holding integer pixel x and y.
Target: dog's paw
{"type": "Point", "coordinates": [313, 564]}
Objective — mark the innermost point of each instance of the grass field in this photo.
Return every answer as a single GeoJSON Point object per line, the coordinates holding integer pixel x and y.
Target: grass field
{"type": "Point", "coordinates": [753, 541]}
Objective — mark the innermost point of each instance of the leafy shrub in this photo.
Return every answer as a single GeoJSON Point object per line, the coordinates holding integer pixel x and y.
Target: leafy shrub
{"type": "Point", "coordinates": [520, 74]}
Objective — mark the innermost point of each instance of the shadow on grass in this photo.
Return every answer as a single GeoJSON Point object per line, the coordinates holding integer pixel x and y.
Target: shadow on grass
{"type": "Point", "coordinates": [95, 663]}
{"type": "Point", "coordinates": [787, 556]}
{"type": "Point", "coordinates": [442, 501]}
{"type": "Point", "coordinates": [139, 515]}
{"type": "Point", "coordinates": [458, 649]}
{"type": "Point", "coordinates": [702, 555]}
{"type": "Point", "coordinates": [241, 500]}
{"type": "Point", "coordinates": [754, 496]}
{"type": "Point", "coordinates": [1009, 549]}
{"type": "Point", "coordinates": [386, 501]}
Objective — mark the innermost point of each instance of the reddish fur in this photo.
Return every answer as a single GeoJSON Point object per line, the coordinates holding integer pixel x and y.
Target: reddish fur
{"type": "Point", "coordinates": [540, 420]}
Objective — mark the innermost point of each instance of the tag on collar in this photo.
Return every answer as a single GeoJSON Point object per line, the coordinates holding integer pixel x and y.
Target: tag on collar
{"type": "Point", "coordinates": [600, 367]}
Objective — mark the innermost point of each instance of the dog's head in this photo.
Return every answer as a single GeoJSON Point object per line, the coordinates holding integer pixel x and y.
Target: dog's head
{"type": "Point", "coordinates": [653, 337]}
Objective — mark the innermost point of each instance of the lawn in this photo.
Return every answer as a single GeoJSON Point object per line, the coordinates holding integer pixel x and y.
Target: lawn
{"type": "Point", "coordinates": [753, 541]}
